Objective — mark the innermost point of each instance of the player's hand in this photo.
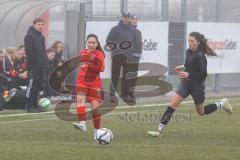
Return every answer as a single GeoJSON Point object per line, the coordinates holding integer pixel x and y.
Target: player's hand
{"type": "Point", "coordinates": [88, 58]}
{"type": "Point", "coordinates": [23, 75]}
{"type": "Point", "coordinates": [60, 64]}
{"type": "Point", "coordinates": [180, 68]}
{"type": "Point", "coordinates": [183, 75]}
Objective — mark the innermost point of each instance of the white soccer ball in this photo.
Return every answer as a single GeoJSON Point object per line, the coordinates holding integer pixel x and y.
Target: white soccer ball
{"type": "Point", "coordinates": [44, 103]}
{"type": "Point", "coordinates": [104, 136]}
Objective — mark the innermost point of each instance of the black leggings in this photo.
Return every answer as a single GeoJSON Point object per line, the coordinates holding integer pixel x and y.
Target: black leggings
{"type": "Point", "coordinates": [34, 86]}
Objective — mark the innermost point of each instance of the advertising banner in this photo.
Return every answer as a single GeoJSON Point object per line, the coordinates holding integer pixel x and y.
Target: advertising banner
{"type": "Point", "coordinates": [224, 38]}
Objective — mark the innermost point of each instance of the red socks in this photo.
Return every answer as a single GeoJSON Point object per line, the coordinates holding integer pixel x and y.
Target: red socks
{"type": "Point", "coordinates": [96, 116]}
{"type": "Point", "coordinates": [81, 111]}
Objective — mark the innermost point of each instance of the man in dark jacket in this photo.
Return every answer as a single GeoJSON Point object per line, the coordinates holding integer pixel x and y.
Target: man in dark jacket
{"type": "Point", "coordinates": [35, 49]}
{"type": "Point", "coordinates": [120, 42]}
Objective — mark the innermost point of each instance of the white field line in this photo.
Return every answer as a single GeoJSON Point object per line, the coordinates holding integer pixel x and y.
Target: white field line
{"type": "Point", "coordinates": [55, 118]}
{"type": "Point", "coordinates": [120, 107]}
{"type": "Point", "coordinates": [28, 120]}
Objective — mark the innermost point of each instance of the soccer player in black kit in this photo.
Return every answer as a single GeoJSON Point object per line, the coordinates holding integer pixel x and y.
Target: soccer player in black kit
{"type": "Point", "coordinates": [193, 74]}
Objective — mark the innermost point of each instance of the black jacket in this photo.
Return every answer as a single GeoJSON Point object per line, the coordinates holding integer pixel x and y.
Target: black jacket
{"type": "Point", "coordinates": [120, 33]}
{"type": "Point", "coordinates": [196, 65]}
{"type": "Point", "coordinates": [35, 49]}
{"type": "Point", "coordinates": [137, 50]}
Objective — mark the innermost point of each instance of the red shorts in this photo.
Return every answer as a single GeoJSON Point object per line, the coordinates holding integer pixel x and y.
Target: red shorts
{"type": "Point", "coordinates": [93, 93]}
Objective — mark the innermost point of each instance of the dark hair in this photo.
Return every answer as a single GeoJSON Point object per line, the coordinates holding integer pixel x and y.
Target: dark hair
{"type": "Point", "coordinates": [54, 45]}
{"type": "Point", "coordinates": [21, 47]}
{"type": "Point", "coordinates": [203, 43]}
{"type": "Point", "coordinates": [95, 36]}
{"type": "Point", "coordinates": [50, 50]}
{"type": "Point", "coordinates": [36, 20]}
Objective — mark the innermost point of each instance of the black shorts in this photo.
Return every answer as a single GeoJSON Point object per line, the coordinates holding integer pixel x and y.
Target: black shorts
{"type": "Point", "coordinates": [193, 88]}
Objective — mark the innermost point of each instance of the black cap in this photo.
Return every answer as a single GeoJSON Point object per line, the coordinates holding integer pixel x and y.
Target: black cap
{"type": "Point", "coordinates": [134, 17]}
{"type": "Point", "coordinates": [126, 14]}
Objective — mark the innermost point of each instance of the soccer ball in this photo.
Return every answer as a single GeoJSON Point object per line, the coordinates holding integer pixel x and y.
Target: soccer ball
{"type": "Point", "coordinates": [44, 103]}
{"type": "Point", "coordinates": [104, 136]}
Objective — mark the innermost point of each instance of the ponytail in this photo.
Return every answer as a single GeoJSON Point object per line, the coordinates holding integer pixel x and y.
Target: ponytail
{"type": "Point", "coordinates": [99, 47]}
{"type": "Point", "coordinates": [203, 43]}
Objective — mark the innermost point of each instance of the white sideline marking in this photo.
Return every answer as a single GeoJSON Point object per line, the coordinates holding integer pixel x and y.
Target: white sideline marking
{"type": "Point", "coordinates": [29, 120]}
{"type": "Point", "coordinates": [120, 107]}
{"type": "Point", "coordinates": [54, 118]}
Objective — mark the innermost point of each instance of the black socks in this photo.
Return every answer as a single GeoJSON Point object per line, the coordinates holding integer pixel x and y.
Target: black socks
{"type": "Point", "coordinates": [167, 115]}
{"type": "Point", "coordinates": [210, 108]}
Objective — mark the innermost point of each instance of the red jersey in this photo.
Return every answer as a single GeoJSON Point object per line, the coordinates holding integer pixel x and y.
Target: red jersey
{"type": "Point", "coordinates": [92, 65]}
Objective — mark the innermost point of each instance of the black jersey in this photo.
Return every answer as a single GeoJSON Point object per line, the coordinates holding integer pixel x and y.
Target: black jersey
{"type": "Point", "coordinates": [196, 65]}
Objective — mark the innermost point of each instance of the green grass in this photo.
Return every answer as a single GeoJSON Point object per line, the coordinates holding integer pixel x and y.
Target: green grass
{"type": "Point", "coordinates": [188, 136]}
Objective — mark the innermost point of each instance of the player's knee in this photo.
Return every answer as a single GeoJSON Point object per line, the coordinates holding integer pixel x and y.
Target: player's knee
{"type": "Point", "coordinates": [95, 106]}
{"type": "Point", "coordinates": [174, 104]}
{"type": "Point", "coordinates": [80, 100]}
{"type": "Point", "coordinates": [200, 112]}
{"type": "Point", "coordinates": [200, 109]}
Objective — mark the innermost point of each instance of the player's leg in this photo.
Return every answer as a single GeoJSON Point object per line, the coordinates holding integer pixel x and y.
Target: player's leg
{"type": "Point", "coordinates": [96, 116]}
{"type": "Point", "coordinates": [181, 93]}
{"type": "Point", "coordinates": [175, 102]}
{"type": "Point", "coordinates": [81, 109]}
{"type": "Point", "coordinates": [198, 94]}
{"type": "Point", "coordinates": [95, 99]}
{"type": "Point", "coordinates": [210, 108]}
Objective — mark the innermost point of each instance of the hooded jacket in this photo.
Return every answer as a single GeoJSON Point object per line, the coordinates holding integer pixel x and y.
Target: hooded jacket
{"type": "Point", "coordinates": [35, 49]}
{"type": "Point", "coordinates": [120, 33]}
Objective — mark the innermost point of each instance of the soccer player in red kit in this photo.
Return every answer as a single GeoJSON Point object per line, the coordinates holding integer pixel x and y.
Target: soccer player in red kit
{"type": "Point", "coordinates": [88, 83]}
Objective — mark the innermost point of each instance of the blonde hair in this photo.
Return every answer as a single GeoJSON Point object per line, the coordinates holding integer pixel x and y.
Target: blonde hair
{"type": "Point", "coordinates": [10, 50]}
